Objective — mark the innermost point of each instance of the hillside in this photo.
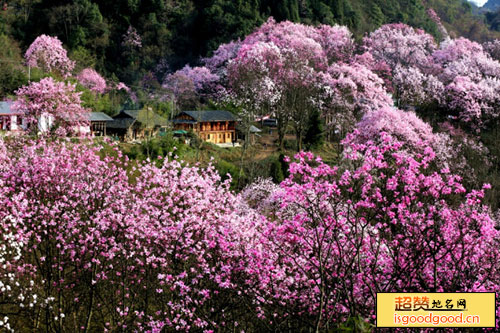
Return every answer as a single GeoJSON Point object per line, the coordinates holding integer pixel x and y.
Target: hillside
{"type": "Point", "coordinates": [173, 33]}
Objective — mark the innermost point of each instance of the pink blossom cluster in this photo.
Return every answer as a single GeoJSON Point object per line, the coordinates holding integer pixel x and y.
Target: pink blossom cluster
{"type": "Point", "coordinates": [48, 53]}
{"type": "Point", "coordinates": [122, 86]}
{"type": "Point", "coordinates": [200, 76]}
{"type": "Point", "coordinates": [414, 87]}
{"type": "Point", "coordinates": [458, 76]}
{"type": "Point", "coordinates": [189, 84]}
{"type": "Point", "coordinates": [282, 68]}
{"type": "Point", "coordinates": [51, 99]}
{"type": "Point", "coordinates": [400, 44]}
{"type": "Point", "coordinates": [144, 249]}
{"type": "Point", "coordinates": [221, 57]}
{"type": "Point", "coordinates": [383, 220]}
{"type": "Point", "coordinates": [493, 48]}
{"type": "Point", "coordinates": [99, 241]}
{"type": "Point", "coordinates": [92, 80]}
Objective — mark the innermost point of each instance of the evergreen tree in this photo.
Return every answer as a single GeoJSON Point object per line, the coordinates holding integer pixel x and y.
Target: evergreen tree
{"type": "Point", "coordinates": [315, 133]}
{"type": "Point", "coordinates": [276, 171]}
{"type": "Point", "coordinates": [376, 15]}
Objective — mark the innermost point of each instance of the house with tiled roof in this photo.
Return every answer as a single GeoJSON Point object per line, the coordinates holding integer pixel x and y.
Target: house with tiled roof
{"type": "Point", "coordinates": [11, 120]}
{"type": "Point", "coordinates": [212, 126]}
{"type": "Point", "coordinates": [99, 123]}
{"type": "Point", "coordinates": [136, 124]}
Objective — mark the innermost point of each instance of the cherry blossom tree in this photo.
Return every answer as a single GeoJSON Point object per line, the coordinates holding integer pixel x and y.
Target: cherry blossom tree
{"type": "Point", "coordinates": [103, 251]}
{"type": "Point", "coordinates": [383, 221]}
{"type": "Point", "coordinates": [451, 145]}
{"type": "Point", "coordinates": [462, 57]}
{"type": "Point", "coordinates": [379, 67]}
{"type": "Point", "coordinates": [337, 42]}
{"type": "Point", "coordinates": [218, 62]}
{"type": "Point", "coordinates": [349, 92]}
{"type": "Point", "coordinates": [253, 83]}
{"type": "Point", "coordinates": [400, 44]}
{"type": "Point", "coordinates": [275, 72]}
{"type": "Point", "coordinates": [48, 102]}
{"type": "Point", "coordinates": [90, 79]}
{"type": "Point", "coordinates": [48, 53]}
{"type": "Point", "coordinates": [493, 49]}
{"type": "Point", "coordinates": [414, 88]}
{"type": "Point", "coordinates": [189, 84]}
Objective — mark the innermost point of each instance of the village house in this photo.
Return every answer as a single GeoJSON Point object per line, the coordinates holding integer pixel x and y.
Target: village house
{"type": "Point", "coordinates": [98, 123]}
{"type": "Point", "coordinates": [10, 119]}
{"type": "Point", "coordinates": [136, 124]}
{"type": "Point", "coordinates": [212, 126]}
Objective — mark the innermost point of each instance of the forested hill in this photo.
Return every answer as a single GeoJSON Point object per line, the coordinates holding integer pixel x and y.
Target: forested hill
{"type": "Point", "coordinates": [172, 33]}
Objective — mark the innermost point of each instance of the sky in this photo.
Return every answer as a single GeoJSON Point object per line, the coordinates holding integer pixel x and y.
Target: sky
{"type": "Point", "coordinates": [479, 2]}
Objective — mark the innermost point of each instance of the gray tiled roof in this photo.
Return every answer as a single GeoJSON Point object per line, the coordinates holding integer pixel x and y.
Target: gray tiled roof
{"type": "Point", "coordinates": [126, 118]}
{"type": "Point", "coordinates": [208, 116]}
{"type": "Point", "coordinates": [6, 109]}
{"type": "Point", "coordinates": [131, 113]}
{"type": "Point", "coordinates": [120, 123]}
{"type": "Point", "coordinates": [100, 116]}
{"type": "Point", "coordinates": [254, 129]}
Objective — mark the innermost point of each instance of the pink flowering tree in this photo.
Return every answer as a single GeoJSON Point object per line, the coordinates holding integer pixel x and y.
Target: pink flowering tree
{"type": "Point", "coordinates": [400, 44]}
{"type": "Point", "coordinates": [412, 132]}
{"type": "Point", "coordinates": [384, 220]}
{"type": "Point", "coordinates": [202, 77]}
{"type": "Point", "coordinates": [379, 67]}
{"type": "Point", "coordinates": [253, 84]}
{"type": "Point", "coordinates": [474, 103]}
{"type": "Point", "coordinates": [493, 49]}
{"type": "Point", "coordinates": [276, 71]}
{"type": "Point", "coordinates": [349, 92]}
{"type": "Point", "coordinates": [337, 42]}
{"type": "Point", "coordinates": [48, 104]}
{"type": "Point", "coordinates": [454, 148]}
{"type": "Point", "coordinates": [190, 85]}
{"type": "Point", "coordinates": [462, 57]}
{"type": "Point", "coordinates": [218, 62]}
{"type": "Point", "coordinates": [470, 77]}
{"type": "Point", "coordinates": [92, 80]}
{"type": "Point", "coordinates": [48, 54]}
{"type": "Point", "coordinates": [413, 88]}
{"type": "Point", "coordinates": [96, 247]}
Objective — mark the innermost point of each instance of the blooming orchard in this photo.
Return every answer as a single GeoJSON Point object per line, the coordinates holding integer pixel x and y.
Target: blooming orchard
{"type": "Point", "coordinates": [172, 247]}
{"type": "Point", "coordinates": [48, 53]}
{"type": "Point", "coordinates": [93, 241]}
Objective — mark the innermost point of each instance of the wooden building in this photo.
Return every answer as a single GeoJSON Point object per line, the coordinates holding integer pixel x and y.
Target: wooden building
{"type": "Point", "coordinates": [211, 126]}
{"type": "Point", "coordinates": [99, 123]}
{"type": "Point", "coordinates": [136, 124]}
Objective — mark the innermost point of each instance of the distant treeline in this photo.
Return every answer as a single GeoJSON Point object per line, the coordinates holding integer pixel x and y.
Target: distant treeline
{"type": "Point", "coordinates": [176, 32]}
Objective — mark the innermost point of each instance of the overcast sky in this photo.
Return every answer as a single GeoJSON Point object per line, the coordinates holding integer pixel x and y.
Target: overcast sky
{"type": "Point", "coordinates": [479, 2]}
